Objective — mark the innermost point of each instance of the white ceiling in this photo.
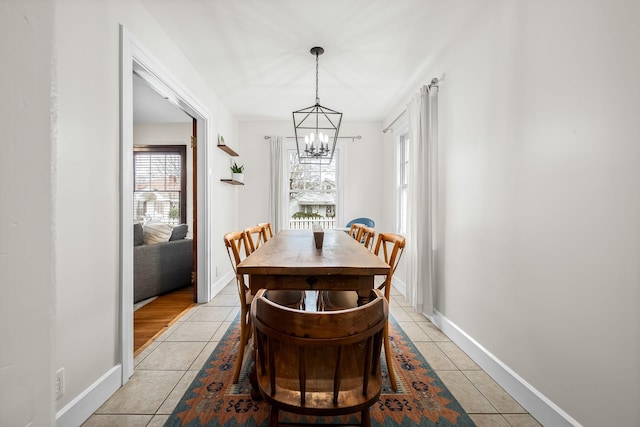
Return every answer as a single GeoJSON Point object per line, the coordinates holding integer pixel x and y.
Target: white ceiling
{"type": "Point", "coordinates": [255, 53]}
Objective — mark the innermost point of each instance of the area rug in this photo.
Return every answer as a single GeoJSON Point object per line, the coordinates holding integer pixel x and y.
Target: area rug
{"type": "Point", "coordinates": [421, 399]}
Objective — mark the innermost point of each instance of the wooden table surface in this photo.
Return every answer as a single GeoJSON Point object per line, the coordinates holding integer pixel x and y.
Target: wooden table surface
{"type": "Point", "coordinates": [290, 260]}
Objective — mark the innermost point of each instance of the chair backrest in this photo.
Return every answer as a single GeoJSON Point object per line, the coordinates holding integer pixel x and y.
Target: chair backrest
{"type": "Point", "coordinates": [256, 236]}
{"type": "Point", "coordinates": [390, 247]}
{"type": "Point", "coordinates": [267, 228]}
{"type": "Point", "coordinates": [237, 246]}
{"type": "Point", "coordinates": [367, 237]}
{"type": "Point", "coordinates": [325, 353]}
{"type": "Point", "coordinates": [366, 221]}
{"type": "Point", "coordinates": [356, 231]}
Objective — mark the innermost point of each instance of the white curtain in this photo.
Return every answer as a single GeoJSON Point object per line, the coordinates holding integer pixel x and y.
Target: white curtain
{"type": "Point", "coordinates": [278, 184]}
{"type": "Point", "coordinates": [422, 200]}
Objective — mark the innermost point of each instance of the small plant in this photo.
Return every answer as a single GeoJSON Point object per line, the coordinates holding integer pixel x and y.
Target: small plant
{"type": "Point", "coordinates": [237, 169]}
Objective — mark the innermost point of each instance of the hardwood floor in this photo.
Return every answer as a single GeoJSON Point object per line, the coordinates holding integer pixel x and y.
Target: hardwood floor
{"type": "Point", "coordinates": [152, 319]}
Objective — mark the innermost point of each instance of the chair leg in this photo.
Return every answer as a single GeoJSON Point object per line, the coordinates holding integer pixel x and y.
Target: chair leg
{"type": "Point", "coordinates": [273, 417]}
{"type": "Point", "coordinates": [388, 358]}
{"type": "Point", "coordinates": [244, 337]}
{"type": "Point", "coordinates": [365, 418]}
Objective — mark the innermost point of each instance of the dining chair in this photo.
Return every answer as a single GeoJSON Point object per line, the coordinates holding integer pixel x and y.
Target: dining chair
{"type": "Point", "coordinates": [237, 248]}
{"type": "Point", "coordinates": [257, 235]}
{"type": "Point", "coordinates": [268, 229]}
{"type": "Point", "coordinates": [390, 247]}
{"type": "Point", "coordinates": [366, 221]}
{"type": "Point", "coordinates": [355, 231]}
{"type": "Point", "coordinates": [322, 364]}
{"type": "Point", "coordinates": [367, 237]}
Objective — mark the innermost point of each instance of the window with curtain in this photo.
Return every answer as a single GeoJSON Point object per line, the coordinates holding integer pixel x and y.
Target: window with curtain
{"type": "Point", "coordinates": [403, 180]}
{"type": "Point", "coordinates": [313, 192]}
{"type": "Point", "coordinates": [160, 183]}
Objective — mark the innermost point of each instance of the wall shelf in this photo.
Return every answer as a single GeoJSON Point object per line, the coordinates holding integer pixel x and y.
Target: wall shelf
{"type": "Point", "coordinates": [232, 181]}
{"type": "Point", "coordinates": [228, 150]}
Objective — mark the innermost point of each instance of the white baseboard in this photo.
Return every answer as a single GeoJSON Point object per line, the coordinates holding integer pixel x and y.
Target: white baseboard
{"type": "Point", "coordinates": [539, 406]}
{"type": "Point", "coordinates": [220, 284]}
{"type": "Point", "coordinates": [399, 285]}
{"type": "Point", "coordinates": [82, 407]}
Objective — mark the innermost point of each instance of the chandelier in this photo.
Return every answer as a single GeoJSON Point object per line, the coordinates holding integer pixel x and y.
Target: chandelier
{"type": "Point", "coordinates": [316, 128]}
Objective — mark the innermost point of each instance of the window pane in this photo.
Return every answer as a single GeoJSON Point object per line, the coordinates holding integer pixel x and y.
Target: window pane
{"type": "Point", "coordinates": [312, 193]}
{"type": "Point", "coordinates": [158, 186]}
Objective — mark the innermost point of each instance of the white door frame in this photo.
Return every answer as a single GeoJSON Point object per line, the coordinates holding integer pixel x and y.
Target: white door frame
{"type": "Point", "coordinates": [133, 57]}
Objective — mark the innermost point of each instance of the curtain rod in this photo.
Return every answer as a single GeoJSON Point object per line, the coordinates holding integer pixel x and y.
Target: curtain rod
{"type": "Point", "coordinates": [340, 137]}
{"type": "Point", "coordinates": [394, 120]}
{"type": "Point", "coordinates": [434, 83]}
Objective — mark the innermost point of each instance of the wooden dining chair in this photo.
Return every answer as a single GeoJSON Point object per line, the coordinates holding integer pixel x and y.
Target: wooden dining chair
{"type": "Point", "coordinates": [257, 235]}
{"type": "Point", "coordinates": [367, 237]}
{"type": "Point", "coordinates": [390, 247]}
{"type": "Point", "coordinates": [322, 364]}
{"type": "Point", "coordinates": [268, 230]}
{"type": "Point", "coordinates": [237, 248]}
{"type": "Point", "coordinates": [356, 231]}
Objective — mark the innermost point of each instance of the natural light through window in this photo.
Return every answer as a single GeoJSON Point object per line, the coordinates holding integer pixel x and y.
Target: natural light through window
{"type": "Point", "coordinates": [313, 192]}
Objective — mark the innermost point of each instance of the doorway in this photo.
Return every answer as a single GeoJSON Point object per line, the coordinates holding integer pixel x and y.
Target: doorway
{"type": "Point", "coordinates": [135, 60]}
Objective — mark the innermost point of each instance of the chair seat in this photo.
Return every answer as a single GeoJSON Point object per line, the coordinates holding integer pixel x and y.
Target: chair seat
{"type": "Point", "coordinates": [338, 300]}
{"type": "Point", "coordinates": [292, 299]}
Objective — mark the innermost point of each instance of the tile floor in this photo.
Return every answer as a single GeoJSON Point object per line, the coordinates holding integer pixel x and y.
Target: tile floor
{"type": "Point", "coordinates": [165, 369]}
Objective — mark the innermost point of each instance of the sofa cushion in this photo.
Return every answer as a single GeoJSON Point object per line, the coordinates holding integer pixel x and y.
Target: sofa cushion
{"type": "Point", "coordinates": [179, 232]}
{"type": "Point", "coordinates": [138, 234]}
{"type": "Point", "coordinates": [156, 232]}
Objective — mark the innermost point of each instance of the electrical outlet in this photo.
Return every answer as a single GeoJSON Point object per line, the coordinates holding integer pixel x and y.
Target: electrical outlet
{"type": "Point", "coordinates": [59, 385]}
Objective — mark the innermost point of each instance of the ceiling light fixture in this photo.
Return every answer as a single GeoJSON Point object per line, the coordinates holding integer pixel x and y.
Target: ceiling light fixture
{"type": "Point", "coordinates": [316, 128]}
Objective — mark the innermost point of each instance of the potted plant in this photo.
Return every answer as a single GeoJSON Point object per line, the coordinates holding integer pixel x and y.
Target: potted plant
{"type": "Point", "coordinates": [237, 172]}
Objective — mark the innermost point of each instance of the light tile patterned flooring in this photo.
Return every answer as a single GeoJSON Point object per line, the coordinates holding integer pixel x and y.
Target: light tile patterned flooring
{"type": "Point", "coordinates": [165, 369]}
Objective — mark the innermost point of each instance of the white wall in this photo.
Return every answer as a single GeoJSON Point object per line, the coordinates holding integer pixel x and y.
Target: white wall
{"type": "Point", "coordinates": [363, 162]}
{"type": "Point", "coordinates": [540, 143]}
{"type": "Point", "coordinates": [170, 134]}
{"type": "Point", "coordinates": [87, 178]}
{"type": "Point", "coordinates": [27, 296]}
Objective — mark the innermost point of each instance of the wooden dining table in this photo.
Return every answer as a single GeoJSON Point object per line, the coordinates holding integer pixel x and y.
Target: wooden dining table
{"type": "Point", "coordinates": [290, 260]}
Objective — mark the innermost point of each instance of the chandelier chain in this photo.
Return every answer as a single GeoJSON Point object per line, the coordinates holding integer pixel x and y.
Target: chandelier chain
{"type": "Point", "coordinates": [317, 97]}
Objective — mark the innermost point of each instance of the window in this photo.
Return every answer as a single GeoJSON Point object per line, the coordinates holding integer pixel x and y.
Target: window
{"type": "Point", "coordinates": [160, 183]}
{"type": "Point", "coordinates": [313, 192]}
{"type": "Point", "coordinates": [403, 180]}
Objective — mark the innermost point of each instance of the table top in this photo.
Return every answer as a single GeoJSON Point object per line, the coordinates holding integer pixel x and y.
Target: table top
{"type": "Point", "coordinates": [293, 252]}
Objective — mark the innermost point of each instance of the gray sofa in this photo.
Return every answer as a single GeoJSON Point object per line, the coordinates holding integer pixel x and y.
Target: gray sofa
{"type": "Point", "coordinates": [161, 267]}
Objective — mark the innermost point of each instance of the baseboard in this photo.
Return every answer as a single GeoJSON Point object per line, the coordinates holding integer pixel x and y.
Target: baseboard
{"type": "Point", "coordinates": [539, 406]}
{"type": "Point", "coordinates": [220, 284]}
{"type": "Point", "coordinates": [82, 407]}
{"type": "Point", "coordinates": [399, 285]}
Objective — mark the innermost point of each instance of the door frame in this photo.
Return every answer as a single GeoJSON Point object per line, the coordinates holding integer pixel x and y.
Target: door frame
{"type": "Point", "coordinates": [134, 57]}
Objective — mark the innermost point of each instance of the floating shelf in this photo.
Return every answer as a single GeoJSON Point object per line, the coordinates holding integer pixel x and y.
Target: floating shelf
{"type": "Point", "coordinates": [228, 150]}
{"type": "Point", "coordinates": [232, 181]}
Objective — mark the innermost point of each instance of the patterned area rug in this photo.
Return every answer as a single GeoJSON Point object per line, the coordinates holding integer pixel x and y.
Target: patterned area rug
{"type": "Point", "coordinates": [421, 399]}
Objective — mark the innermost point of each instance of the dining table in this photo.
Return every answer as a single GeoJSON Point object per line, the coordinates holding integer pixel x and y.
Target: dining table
{"type": "Point", "coordinates": [290, 260]}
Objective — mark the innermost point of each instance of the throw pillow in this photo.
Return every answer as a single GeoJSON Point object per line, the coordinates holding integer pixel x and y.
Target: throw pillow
{"type": "Point", "coordinates": [157, 232]}
{"type": "Point", "coordinates": [179, 232]}
{"type": "Point", "coordinates": [138, 234]}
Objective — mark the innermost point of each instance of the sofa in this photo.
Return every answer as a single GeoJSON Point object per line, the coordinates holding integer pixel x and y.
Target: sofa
{"type": "Point", "coordinates": [162, 260]}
